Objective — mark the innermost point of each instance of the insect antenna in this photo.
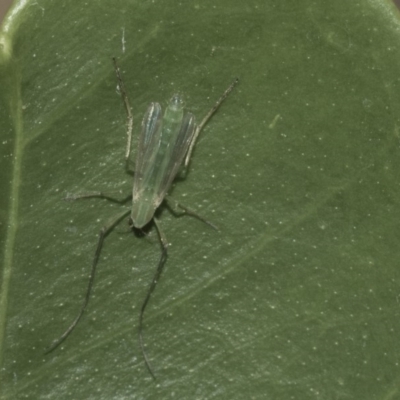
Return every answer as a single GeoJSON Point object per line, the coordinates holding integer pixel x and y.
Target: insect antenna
{"type": "Point", "coordinates": [206, 119]}
{"type": "Point", "coordinates": [129, 116]}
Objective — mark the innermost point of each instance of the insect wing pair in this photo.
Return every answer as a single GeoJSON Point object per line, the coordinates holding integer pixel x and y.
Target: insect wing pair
{"type": "Point", "coordinates": [163, 144]}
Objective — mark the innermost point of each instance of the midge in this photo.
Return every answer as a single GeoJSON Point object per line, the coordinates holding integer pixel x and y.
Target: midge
{"type": "Point", "coordinates": [165, 141]}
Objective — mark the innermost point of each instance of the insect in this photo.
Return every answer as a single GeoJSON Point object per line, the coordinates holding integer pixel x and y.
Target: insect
{"type": "Point", "coordinates": [165, 143]}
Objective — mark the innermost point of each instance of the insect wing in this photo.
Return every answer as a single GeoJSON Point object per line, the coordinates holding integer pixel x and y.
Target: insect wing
{"type": "Point", "coordinates": [180, 149]}
{"type": "Point", "coordinates": [149, 142]}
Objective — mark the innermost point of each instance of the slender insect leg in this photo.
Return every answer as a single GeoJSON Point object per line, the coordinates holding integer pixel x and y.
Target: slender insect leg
{"type": "Point", "coordinates": [206, 118]}
{"type": "Point", "coordinates": [102, 235]}
{"type": "Point", "coordinates": [156, 277]}
{"type": "Point", "coordinates": [101, 195]}
{"type": "Point", "coordinates": [175, 206]}
{"type": "Point", "coordinates": [129, 117]}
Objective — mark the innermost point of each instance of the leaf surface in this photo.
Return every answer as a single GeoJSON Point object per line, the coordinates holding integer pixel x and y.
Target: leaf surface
{"type": "Point", "coordinates": [297, 295]}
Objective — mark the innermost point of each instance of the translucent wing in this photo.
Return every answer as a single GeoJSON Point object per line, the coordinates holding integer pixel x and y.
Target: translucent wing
{"type": "Point", "coordinates": [178, 153]}
{"type": "Point", "coordinates": [149, 143]}
{"type": "Point", "coordinates": [162, 146]}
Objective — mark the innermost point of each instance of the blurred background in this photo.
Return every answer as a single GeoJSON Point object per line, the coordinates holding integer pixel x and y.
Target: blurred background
{"type": "Point", "coordinates": [6, 4]}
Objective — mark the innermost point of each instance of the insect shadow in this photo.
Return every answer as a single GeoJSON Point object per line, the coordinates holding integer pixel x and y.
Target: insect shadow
{"type": "Point", "coordinates": [165, 143]}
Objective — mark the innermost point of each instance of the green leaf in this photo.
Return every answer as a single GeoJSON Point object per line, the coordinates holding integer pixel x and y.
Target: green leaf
{"type": "Point", "coordinates": [297, 295]}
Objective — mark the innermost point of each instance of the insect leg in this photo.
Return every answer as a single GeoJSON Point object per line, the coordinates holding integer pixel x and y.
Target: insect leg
{"type": "Point", "coordinates": [206, 118]}
{"type": "Point", "coordinates": [156, 277]}
{"type": "Point", "coordinates": [129, 117]}
{"type": "Point", "coordinates": [174, 206]}
{"type": "Point", "coordinates": [102, 235]}
{"type": "Point", "coordinates": [101, 195]}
